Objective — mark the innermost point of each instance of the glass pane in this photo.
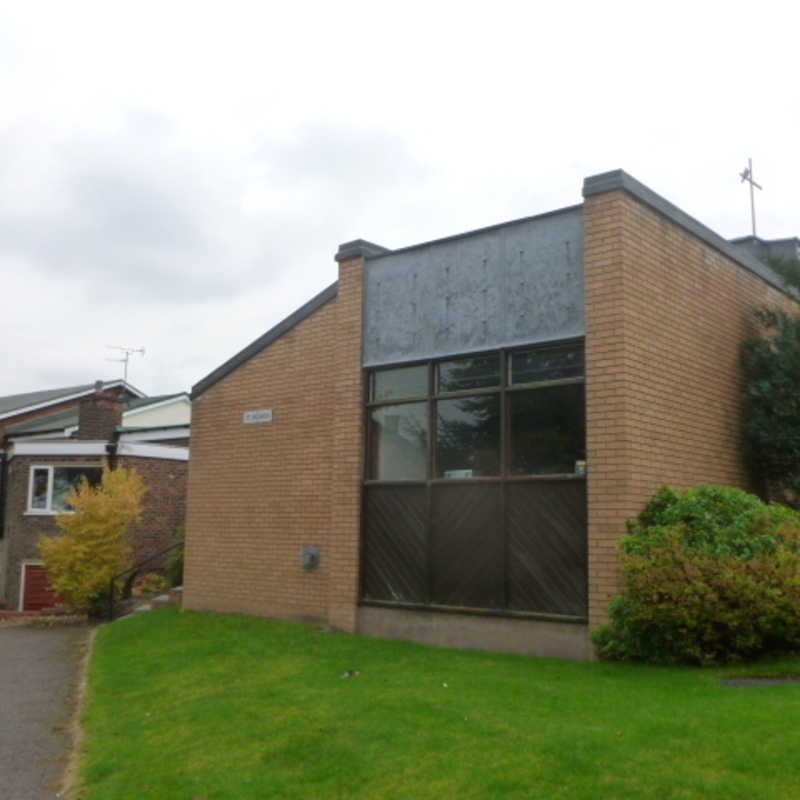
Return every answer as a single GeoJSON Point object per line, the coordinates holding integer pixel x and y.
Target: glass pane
{"type": "Point", "coordinates": [39, 488]}
{"type": "Point", "coordinates": [67, 478]}
{"type": "Point", "coordinates": [394, 384]}
{"type": "Point", "coordinates": [548, 434]}
{"type": "Point", "coordinates": [468, 437]}
{"type": "Point", "coordinates": [545, 364]}
{"type": "Point", "coordinates": [399, 442]}
{"type": "Point", "coordinates": [481, 372]}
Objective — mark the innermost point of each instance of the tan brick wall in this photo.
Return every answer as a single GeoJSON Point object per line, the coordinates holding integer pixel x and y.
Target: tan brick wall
{"type": "Point", "coordinates": [259, 493]}
{"type": "Point", "coordinates": [666, 316]}
{"type": "Point", "coordinates": [348, 445]}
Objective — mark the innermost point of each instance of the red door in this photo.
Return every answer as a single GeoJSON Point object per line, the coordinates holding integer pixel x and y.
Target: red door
{"type": "Point", "coordinates": [38, 593]}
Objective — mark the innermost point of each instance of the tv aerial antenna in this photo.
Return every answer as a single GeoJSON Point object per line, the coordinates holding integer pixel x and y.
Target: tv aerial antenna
{"type": "Point", "coordinates": [747, 175]}
{"type": "Point", "coordinates": [127, 352]}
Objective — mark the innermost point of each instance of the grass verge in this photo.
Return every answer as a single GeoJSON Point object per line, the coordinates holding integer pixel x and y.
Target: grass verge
{"type": "Point", "coordinates": [197, 706]}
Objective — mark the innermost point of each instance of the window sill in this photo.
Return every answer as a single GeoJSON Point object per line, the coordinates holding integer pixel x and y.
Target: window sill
{"type": "Point", "coordinates": [30, 513]}
{"type": "Point", "coordinates": [552, 476]}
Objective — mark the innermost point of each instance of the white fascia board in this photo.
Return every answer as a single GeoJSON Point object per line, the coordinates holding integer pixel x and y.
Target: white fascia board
{"type": "Point", "coordinates": [181, 398]}
{"type": "Point", "coordinates": [156, 435]}
{"type": "Point", "coordinates": [153, 451]}
{"type": "Point", "coordinates": [57, 449]}
{"type": "Point", "coordinates": [56, 400]}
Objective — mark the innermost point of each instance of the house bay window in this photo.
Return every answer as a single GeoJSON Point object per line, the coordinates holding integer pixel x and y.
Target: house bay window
{"type": "Point", "coordinates": [475, 483]}
{"type": "Point", "coordinates": [50, 486]}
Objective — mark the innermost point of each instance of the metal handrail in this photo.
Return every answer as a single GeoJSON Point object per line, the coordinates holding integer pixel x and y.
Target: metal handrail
{"type": "Point", "coordinates": [132, 572]}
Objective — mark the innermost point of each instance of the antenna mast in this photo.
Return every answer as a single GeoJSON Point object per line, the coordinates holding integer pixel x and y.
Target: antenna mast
{"type": "Point", "coordinates": [127, 353]}
{"type": "Point", "coordinates": [747, 175]}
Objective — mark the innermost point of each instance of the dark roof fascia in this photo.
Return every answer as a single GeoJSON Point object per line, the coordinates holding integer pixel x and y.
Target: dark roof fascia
{"type": "Point", "coordinates": [126, 429]}
{"type": "Point", "coordinates": [478, 231]}
{"type": "Point", "coordinates": [619, 180]}
{"type": "Point", "coordinates": [359, 248]}
{"type": "Point", "coordinates": [265, 340]}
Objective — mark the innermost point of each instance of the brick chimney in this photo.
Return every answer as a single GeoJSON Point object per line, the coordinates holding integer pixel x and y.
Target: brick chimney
{"type": "Point", "coordinates": [99, 414]}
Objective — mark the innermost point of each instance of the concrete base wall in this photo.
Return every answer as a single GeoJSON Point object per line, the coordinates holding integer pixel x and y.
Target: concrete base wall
{"type": "Point", "coordinates": [503, 634]}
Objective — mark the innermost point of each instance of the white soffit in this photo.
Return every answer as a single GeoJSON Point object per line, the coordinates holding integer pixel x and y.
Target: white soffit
{"type": "Point", "coordinates": [153, 451]}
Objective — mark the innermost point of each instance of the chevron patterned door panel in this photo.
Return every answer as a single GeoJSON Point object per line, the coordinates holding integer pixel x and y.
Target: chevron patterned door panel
{"type": "Point", "coordinates": [395, 560]}
{"type": "Point", "coordinates": [467, 546]}
{"type": "Point", "coordinates": [546, 529]}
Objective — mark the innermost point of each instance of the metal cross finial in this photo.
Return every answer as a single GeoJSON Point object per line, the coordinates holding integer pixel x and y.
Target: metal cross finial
{"type": "Point", "coordinates": [747, 175]}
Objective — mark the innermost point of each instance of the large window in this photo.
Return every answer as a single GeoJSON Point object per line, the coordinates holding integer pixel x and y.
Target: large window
{"type": "Point", "coordinates": [50, 486]}
{"type": "Point", "coordinates": [475, 495]}
{"type": "Point", "coordinates": [489, 416]}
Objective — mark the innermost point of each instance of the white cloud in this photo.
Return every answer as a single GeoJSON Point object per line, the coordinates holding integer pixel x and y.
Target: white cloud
{"type": "Point", "coordinates": [179, 175]}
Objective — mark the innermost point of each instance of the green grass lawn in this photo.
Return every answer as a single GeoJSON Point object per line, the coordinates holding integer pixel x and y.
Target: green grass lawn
{"type": "Point", "coordinates": [203, 707]}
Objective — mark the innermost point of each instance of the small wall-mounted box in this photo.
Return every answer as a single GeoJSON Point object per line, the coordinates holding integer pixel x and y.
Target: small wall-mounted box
{"type": "Point", "coordinates": [310, 557]}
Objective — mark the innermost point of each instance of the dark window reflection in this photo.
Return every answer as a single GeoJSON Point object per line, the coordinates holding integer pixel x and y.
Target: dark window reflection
{"type": "Point", "coordinates": [548, 431]}
{"type": "Point", "coordinates": [394, 384]}
{"type": "Point", "coordinates": [65, 479]}
{"type": "Point", "coordinates": [468, 437]}
{"type": "Point", "coordinates": [546, 364]}
{"type": "Point", "coordinates": [39, 490]}
{"type": "Point", "coordinates": [399, 442]}
{"type": "Point", "coordinates": [481, 372]}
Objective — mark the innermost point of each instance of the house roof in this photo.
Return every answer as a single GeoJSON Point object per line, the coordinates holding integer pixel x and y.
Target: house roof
{"type": "Point", "coordinates": [14, 404]}
{"type": "Point", "coordinates": [60, 420]}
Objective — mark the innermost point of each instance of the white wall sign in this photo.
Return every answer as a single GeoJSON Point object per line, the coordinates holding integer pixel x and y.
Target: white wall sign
{"type": "Point", "coordinates": [263, 415]}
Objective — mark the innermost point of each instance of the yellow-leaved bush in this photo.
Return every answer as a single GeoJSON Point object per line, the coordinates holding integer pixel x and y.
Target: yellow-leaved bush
{"type": "Point", "coordinates": [95, 546]}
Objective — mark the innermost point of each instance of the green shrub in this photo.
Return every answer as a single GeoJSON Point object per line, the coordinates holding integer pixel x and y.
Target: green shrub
{"type": "Point", "coordinates": [715, 520]}
{"type": "Point", "coordinates": [772, 418]}
{"type": "Point", "coordinates": [150, 583]}
{"type": "Point", "coordinates": [711, 575]}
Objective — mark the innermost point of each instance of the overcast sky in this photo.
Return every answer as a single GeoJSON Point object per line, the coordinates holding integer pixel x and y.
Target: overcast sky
{"type": "Point", "coordinates": [178, 176]}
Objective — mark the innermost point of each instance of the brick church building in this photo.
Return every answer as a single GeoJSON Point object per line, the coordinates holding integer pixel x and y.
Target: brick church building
{"type": "Point", "coordinates": [444, 445]}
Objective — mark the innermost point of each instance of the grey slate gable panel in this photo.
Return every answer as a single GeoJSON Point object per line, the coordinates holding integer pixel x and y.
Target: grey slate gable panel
{"type": "Point", "coordinates": [512, 284]}
{"type": "Point", "coordinates": [266, 339]}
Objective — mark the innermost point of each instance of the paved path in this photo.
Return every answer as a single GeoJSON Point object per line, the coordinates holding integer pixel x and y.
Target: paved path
{"type": "Point", "coordinates": [37, 671]}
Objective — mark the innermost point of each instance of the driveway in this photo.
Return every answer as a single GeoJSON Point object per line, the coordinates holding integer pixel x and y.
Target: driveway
{"type": "Point", "coordinates": [37, 671]}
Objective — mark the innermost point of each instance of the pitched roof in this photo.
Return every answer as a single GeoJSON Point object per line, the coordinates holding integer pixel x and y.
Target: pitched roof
{"type": "Point", "coordinates": [14, 401]}
{"type": "Point", "coordinates": [18, 402]}
{"type": "Point", "coordinates": [60, 420]}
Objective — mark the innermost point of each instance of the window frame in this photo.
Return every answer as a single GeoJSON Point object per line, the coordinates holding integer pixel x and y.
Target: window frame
{"type": "Point", "coordinates": [49, 511]}
{"type": "Point", "coordinates": [503, 390]}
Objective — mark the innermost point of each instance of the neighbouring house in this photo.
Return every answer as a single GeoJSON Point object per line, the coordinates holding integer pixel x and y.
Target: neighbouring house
{"type": "Point", "coordinates": [47, 455]}
{"type": "Point", "coordinates": [445, 444]}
